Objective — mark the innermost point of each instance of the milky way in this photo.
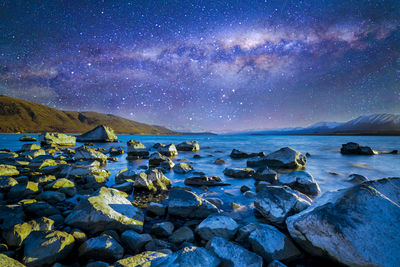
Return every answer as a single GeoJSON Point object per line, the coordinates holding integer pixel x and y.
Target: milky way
{"type": "Point", "coordinates": [205, 65]}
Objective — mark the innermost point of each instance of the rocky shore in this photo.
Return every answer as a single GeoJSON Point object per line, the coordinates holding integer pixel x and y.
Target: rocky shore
{"type": "Point", "coordinates": [57, 210]}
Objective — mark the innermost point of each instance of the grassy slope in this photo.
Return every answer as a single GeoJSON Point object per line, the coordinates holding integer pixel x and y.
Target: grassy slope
{"type": "Point", "coordinates": [18, 115]}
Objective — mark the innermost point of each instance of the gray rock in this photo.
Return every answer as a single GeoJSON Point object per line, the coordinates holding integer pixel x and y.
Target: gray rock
{"type": "Point", "coordinates": [64, 186]}
{"type": "Point", "coordinates": [286, 157]}
{"type": "Point", "coordinates": [188, 146]}
{"type": "Point", "coordinates": [205, 180]}
{"type": "Point", "coordinates": [95, 264]}
{"type": "Point", "coordinates": [45, 248]}
{"type": "Point", "coordinates": [217, 225]}
{"type": "Point", "coordinates": [356, 178]}
{"type": "Point", "coordinates": [126, 187]}
{"type": "Point", "coordinates": [188, 256]}
{"type": "Point", "coordinates": [101, 133]}
{"type": "Point", "coordinates": [271, 244]}
{"type": "Point", "coordinates": [249, 194]}
{"type": "Point", "coordinates": [168, 150]}
{"type": "Point", "coordinates": [134, 241]}
{"type": "Point", "coordinates": [187, 204]}
{"type": "Point", "coordinates": [163, 229]}
{"type": "Point", "coordinates": [11, 215]}
{"type": "Point", "coordinates": [116, 151]}
{"type": "Point", "coordinates": [183, 168]}
{"type": "Point", "coordinates": [357, 226]}
{"type": "Point", "coordinates": [157, 245]}
{"type": "Point", "coordinates": [243, 233]}
{"type": "Point", "coordinates": [183, 234]}
{"type": "Point", "coordinates": [233, 255]}
{"type": "Point", "coordinates": [276, 203]}
{"type": "Point", "coordinates": [79, 171]}
{"type": "Point", "coordinates": [106, 209]}
{"type": "Point", "coordinates": [301, 181]}
{"type": "Point", "coordinates": [356, 149]}
{"type": "Point", "coordinates": [136, 150]}
{"type": "Point", "coordinates": [156, 209]}
{"type": "Point", "coordinates": [266, 174]}
{"type": "Point", "coordinates": [57, 139]}
{"type": "Point", "coordinates": [103, 247]}
{"type": "Point", "coordinates": [239, 172]}
{"type": "Point", "coordinates": [144, 259]}
{"type": "Point", "coordinates": [9, 262]}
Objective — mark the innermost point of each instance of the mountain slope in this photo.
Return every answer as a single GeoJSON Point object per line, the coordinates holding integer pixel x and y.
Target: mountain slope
{"type": "Point", "coordinates": [18, 115]}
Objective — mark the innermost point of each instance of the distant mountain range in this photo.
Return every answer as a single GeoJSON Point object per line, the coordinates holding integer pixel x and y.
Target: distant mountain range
{"type": "Point", "coordinates": [375, 124]}
{"type": "Point", "coordinates": [20, 116]}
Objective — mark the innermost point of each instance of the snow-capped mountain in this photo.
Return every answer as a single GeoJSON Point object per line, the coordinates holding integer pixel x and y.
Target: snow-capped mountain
{"type": "Point", "coordinates": [378, 122]}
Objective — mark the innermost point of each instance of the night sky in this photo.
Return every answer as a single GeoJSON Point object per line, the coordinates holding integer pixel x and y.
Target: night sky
{"type": "Point", "coordinates": [205, 65]}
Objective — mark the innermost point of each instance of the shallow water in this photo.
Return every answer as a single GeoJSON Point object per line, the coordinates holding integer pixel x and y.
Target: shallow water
{"type": "Point", "coordinates": [324, 160]}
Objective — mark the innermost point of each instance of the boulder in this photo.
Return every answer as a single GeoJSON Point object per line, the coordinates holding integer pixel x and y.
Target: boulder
{"type": "Point", "coordinates": [188, 146]}
{"type": "Point", "coordinates": [125, 175]}
{"type": "Point", "coordinates": [356, 178]}
{"type": "Point", "coordinates": [233, 255]}
{"type": "Point", "coordinates": [205, 180]}
{"type": "Point", "coordinates": [237, 154]}
{"type": "Point", "coordinates": [134, 241]}
{"type": "Point", "coordinates": [101, 133]}
{"type": "Point", "coordinates": [9, 262]}
{"type": "Point", "coordinates": [17, 234]}
{"type": "Point", "coordinates": [33, 153]}
{"type": "Point", "coordinates": [156, 209]}
{"type": "Point", "coordinates": [136, 150]}
{"type": "Point", "coordinates": [187, 204]}
{"type": "Point", "coordinates": [183, 234]}
{"type": "Point", "coordinates": [183, 168]}
{"type": "Point", "coordinates": [85, 153]}
{"type": "Point", "coordinates": [27, 138]}
{"type": "Point", "coordinates": [8, 170]}
{"type": "Point", "coordinates": [163, 229]}
{"type": "Point", "coordinates": [156, 159]}
{"type": "Point", "coordinates": [188, 256]}
{"type": "Point", "coordinates": [45, 248]}
{"type": "Point", "coordinates": [301, 181]}
{"type": "Point", "coordinates": [287, 158]}
{"type": "Point", "coordinates": [143, 259]}
{"type": "Point", "coordinates": [356, 149]}
{"type": "Point", "coordinates": [266, 174]}
{"type": "Point", "coordinates": [217, 225]}
{"type": "Point", "coordinates": [168, 150]}
{"type": "Point", "coordinates": [276, 203]}
{"type": "Point", "coordinates": [58, 139]}
{"type": "Point", "coordinates": [41, 209]}
{"type": "Point", "coordinates": [81, 171]}
{"type": "Point", "coordinates": [106, 209]}
{"type": "Point", "coordinates": [239, 172]}
{"type": "Point", "coordinates": [271, 244]}
{"type": "Point", "coordinates": [357, 226]}
{"type": "Point", "coordinates": [79, 235]}
{"type": "Point", "coordinates": [103, 248]}
{"type": "Point", "coordinates": [152, 180]}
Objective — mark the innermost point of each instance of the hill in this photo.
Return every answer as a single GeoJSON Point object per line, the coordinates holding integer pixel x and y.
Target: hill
{"type": "Point", "coordinates": [22, 116]}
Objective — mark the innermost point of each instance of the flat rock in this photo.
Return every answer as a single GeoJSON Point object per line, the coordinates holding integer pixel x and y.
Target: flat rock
{"type": "Point", "coordinates": [301, 181]}
{"type": "Point", "coordinates": [239, 172]}
{"type": "Point", "coordinates": [106, 209]}
{"type": "Point", "coordinates": [188, 256]}
{"type": "Point", "coordinates": [286, 157]}
{"type": "Point", "coordinates": [103, 248]}
{"type": "Point", "coordinates": [205, 180]}
{"type": "Point", "coordinates": [57, 139]}
{"type": "Point", "coordinates": [357, 226]}
{"type": "Point", "coordinates": [101, 133]}
{"type": "Point", "coordinates": [188, 146]}
{"type": "Point", "coordinates": [217, 225]}
{"type": "Point", "coordinates": [27, 138]}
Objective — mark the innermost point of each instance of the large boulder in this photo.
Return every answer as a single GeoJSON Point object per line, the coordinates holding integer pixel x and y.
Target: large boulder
{"type": "Point", "coordinates": [188, 256]}
{"type": "Point", "coordinates": [205, 180]}
{"type": "Point", "coordinates": [276, 203]}
{"type": "Point", "coordinates": [101, 133]}
{"type": "Point", "coordinates": [187, 204]}
{"type": "Point", "coordinates": [217, 225]}
{"type": "Point", "coordinates": [106, 209]}
{"type": "Point", "coordinates": [188, 146]}
{"type": "Point", "coordinates": [232, 255]}
{"type": "Point", "coordinates": [45, 248]}
{"type": "Point", "coordinates": [356, 149]}
{"type": "Point", "coordinates": [358, 226]}
{"type": "Point", "coordinates": [287, 158]}
{"type": "Point", "coordinates": [239, 172]}
{"type": "Point", "coordinates": [271, 244]}
{"type": "Point", "coordinates": [301, 181]}
{"type": "Point", "coordinates": [57, 139]}
{"type": "Point", "coordinates": [168, 150]}
{"type": "Point", "coordinates": [152, 180]}
{"type": "Point", "coordinates": [9, 262]}
{"type": "Point", "coordinates": [136, 150]}
{"type": "Point", "coordinates": [103, 248]}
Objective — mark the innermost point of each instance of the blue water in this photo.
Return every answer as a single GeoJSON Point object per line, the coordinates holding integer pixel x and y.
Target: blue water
{"type": "Point", "coordinates": [324, 150]}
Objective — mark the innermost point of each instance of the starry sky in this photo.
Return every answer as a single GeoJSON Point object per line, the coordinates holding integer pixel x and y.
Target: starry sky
{"type": "Point", "coordinates": [205, 65]}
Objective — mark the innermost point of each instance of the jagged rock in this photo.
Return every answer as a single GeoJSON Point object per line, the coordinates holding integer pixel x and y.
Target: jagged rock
{"type": "Point", "coordinates": [357, 226]}
{"type": "Point", "coordinates": [266, 174]}
{"type": "Point", "coordinates": [57, 139]}
{"type": "Point", "coordinates": [156, 209]}
{"type": "Point", "coordinates": [356, 178]}
{"type": "Point", "coordinates": [152, 180]}
{"type": "Point", "coordinates": [168, 150]}
{"type": "Point", "coordinates": [219, 161]}
{"type": "Point", "coordinates": [156, 159]}
{"type": "Point", "coordinates": [8, 170]}
{"type": "Point", "coordinates": [276, 203]}
{"type": "Point", "coordinates": [163, 229]}
{"type": "Point", "coordinates": [101, 133]}
{"type": "Point", "coordinates": [103, 248]}
{"type": "Point", "coordinates": [188, 256]}
{"type": "Point", "coordinates": [27, 138]}
{"type": "Point", "coordinates": [183, 234]}
{"type": "Point", "coordinates": [84, 153]}
{"type": "Point", "coordinates": [20, 190]}
{"type": "Point", "coordinates": [17, 234]}
{"type": "Point", "coordinates": [205, 180]}
{"type": "Point", "coordinates": [233, 255]}
{"type": "Point", "coordinates": [9, 262]}
{"type": "Point", "coordinates": [217, 225]}
{"type": "Point", "coordinates": [187, 204]}
{"type": "Point", "coordinates": [239, 172]}
{"type": "Point", "coordinates": [106, 209]}
{"type": "Point", "coordinates": [6, 183]}
{"type": "Point", "coordinates": [144, 259]}
{"type": "Point", "coordinates": [188, 146]}
{"type": "Point", "coordinates": [243, 233]}
{"type": "Point", "coordinates": [356, 149]}
{"type": "Point", "coordinates": [134, 241]}
{"type": "Point", "coordinates": [136, 150]}
{"type": "Point", "coordinates": [301, 181]}
{"type": "Point", "coordinates": [286, 157]}
{"type": "Point", "coordinates": [45, 248]}
{"type": "Point", "coordinates": [52, 197]}
{"type": "Point", "coordinates": [125, 175]}
{"type": "Point", "coordinates": [183, 168]}
{"type": "Point", "coordinates": [271, 244]}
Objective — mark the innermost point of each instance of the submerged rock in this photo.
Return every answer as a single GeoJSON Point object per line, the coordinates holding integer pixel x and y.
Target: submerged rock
{"type": "Point", "coordinates": [136, 150]}
{"type": "Point", "coordinates": [106, 209]}
{"type": "Point", "coordinates": [356, 178]}
{"type": "Point", "coordinates": [219, 161]}
{"type": "Point", "coordinates": [286, 157]}
{"type": "Point", "coordinates": [103, 247]}
{"type": "Point", "coordinates": [57, 139]}
{"type": "Point", "coordinates": [205, 180]}
{"type": "Point", "coordinates": [352, 148]}
{"type": "Point", "coordinates": [357, 226]}
{"type": "Point", "coordinates": [301, 181]}
{"type": "Point", "coordinates": [239, 172]}
{"type": "Point", "coordinates": [188, 256]}
{"type": "Point", "coordinates": [217, 225]}
{"type": "Point", "coordinates": [101, 133]}
{"type": "Point", "coordinates": [188, 146]}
